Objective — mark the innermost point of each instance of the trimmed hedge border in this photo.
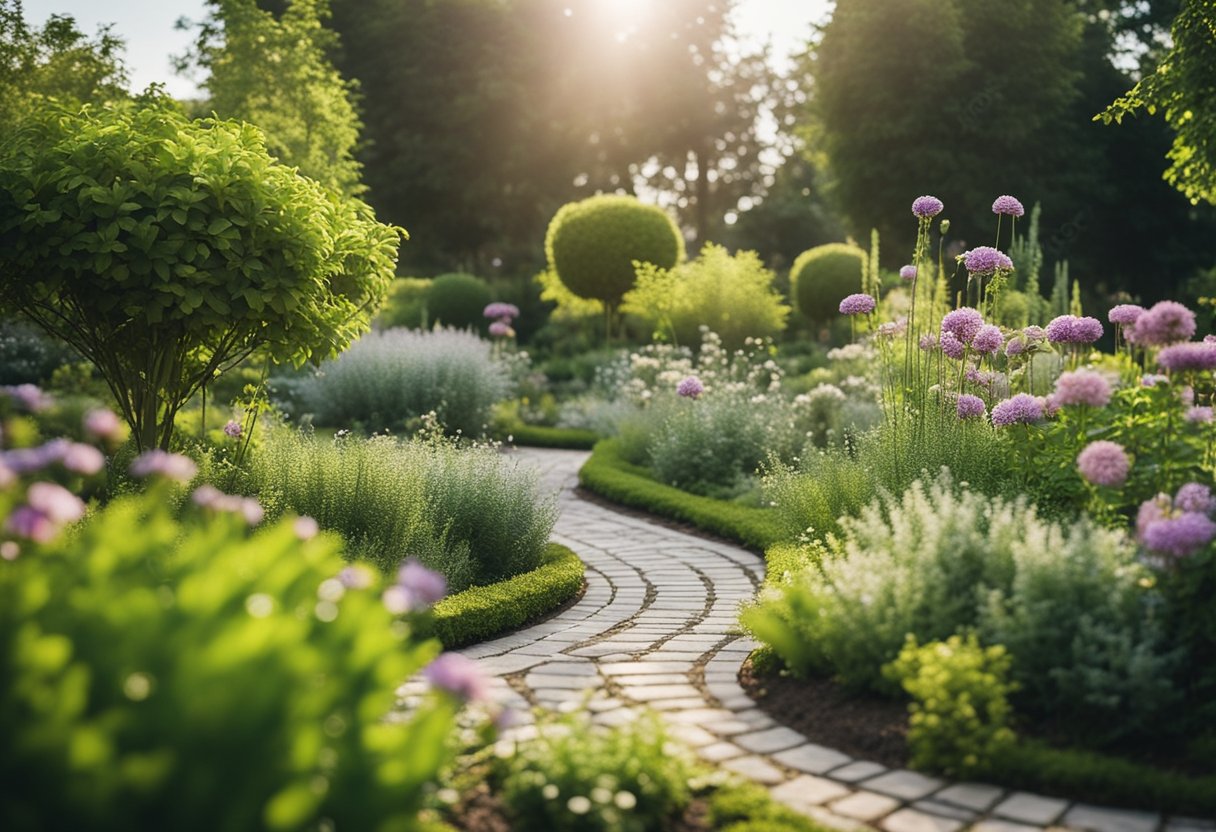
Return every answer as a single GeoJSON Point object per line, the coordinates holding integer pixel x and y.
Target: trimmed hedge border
{"type": "Point", "coordinates": [611, 477]}
{"type": "Point", "coordinates": [540, 436]}
{"type": "Point", "coordinates": [482, 612]}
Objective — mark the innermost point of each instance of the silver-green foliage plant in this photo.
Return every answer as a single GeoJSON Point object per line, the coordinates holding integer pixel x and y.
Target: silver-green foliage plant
{"type": "Point", "coordinates": [468, 512]}
{"type": "Point", "coordinates": [731, 294]}
{"type": "Point", "coordinates": [1069, 601]}
{"type": "Point", "coordinates": [390, 379]}
{"type": "Point", "coordinates": [167, 251]}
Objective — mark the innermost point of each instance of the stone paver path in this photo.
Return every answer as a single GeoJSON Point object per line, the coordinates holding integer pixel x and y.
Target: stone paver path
{"type": "Point", "coordinates": [657, 629]}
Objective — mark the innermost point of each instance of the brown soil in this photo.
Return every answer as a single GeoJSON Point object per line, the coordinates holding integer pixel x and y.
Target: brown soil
{"type": "Point", "coordinates": [858, 724]}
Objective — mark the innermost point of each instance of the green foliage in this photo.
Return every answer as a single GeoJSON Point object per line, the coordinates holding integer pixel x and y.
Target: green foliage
{"type": "Point", "coordinates": [606, 474]}
{"type": "Point", "coordinates": [592, 245]}
{"type": "Point", "coordinates": [458, 300]}
{"type": "Point", "coordinates": [712, 446]}
{"type": "Point", "coordinates": [960, 712]}
{"type": "Point", "coordinates": [405, 304]}
{"type": "Point", "coordinates": [1181, 88]}
{"type": "Point", "coordinates": [750, 808]}
{"type": "Point", "coordinates": [469, 513]}
{"type": "Point", "coordinates": [575, 777]}
{"type": "Point", "coordinates": [542, 436]}
{"type": "Point", "coordinates": [823, 276]}
{"type": "Point", "coordinates": [732, 295]}
{"type": "Point", "coordinates": [276, 73]}
{"type": "Point", "coordinates": [389, 380]}
{"type": "Point", "coordinates": [27, 356]}
{"type": "Point", "coordinates": [482, 612]}
{"type": "Point", "coordinates": [166, 251]}
{"type": "Point", "coordinates": [181, 674]}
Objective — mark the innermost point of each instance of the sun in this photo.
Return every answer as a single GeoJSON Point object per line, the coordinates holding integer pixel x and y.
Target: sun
{"type": "Point", "coordinates": [621, 17]}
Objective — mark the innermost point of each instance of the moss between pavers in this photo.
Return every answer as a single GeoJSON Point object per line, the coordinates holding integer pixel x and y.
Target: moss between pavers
{"type": "Point", "coordinates": [540, 436]}
{"type": "Point", "coordinates": [482, 612]}
{"type": "Point", "coordinates": [611, 477]}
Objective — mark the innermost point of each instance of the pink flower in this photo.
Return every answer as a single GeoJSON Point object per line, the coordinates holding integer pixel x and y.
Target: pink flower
{"type": "Point", "coordinates": [425, 586]}
{"type": "Point", "coordinates": [964, 323]}
{"type": "Point", "coordinates": [1192, 355]}
{"type": "Point", "coordinates": [952, 346]}
{"type": "Point", "coordinates": [1167, 322]}
{"type": "Point", "coordinates": [305, 528]}
{"type": "Point", "coordinates": [30, 523]}
{"type": "Point", "coordinates": [82, 459]}
{"type": "Point", "coordinates": [164, 464]}
{"type": "Point", "coordinates": [1179, 536]}
{"type": "Point", "coordinates": [1069, 329]}
{"type": "Point", "coordinates": [501, 329]}
{"type": "Point", "coordinates": [1020, 409]}
{"type": "Point", "coordinates": [1082, 387]}
{"type": "Point", "coordinates": [233, 429]}
{"type": "Point", "coordinates": [969, 406]}
{"type": "Point", "coordinates": [1194, 497]}
{"type": "Point", "coordinates": [1199, 415]}
{"type": "Point", "coordinates": [1008, 205]}
{"type": "Point", "coordinates": [1104, 463]}
{"type": "Point", "coordinates": [907, 273]}
{"type": "Point", "coordinates": [1125, 313]}
{"type": "Point", "coordinates": [857, 305]}
{"type": "Point", "coordinates": [56, 502]}
{"type": "Point", "coordinates": [459, 676]}
{"type": "Point", "coordinates": [28, 397]}
{"type": "Point", "coordinates": [102, 424]}
{"type": "Point", "coordinates": [690, 387]}
{"type": "Point", "coordinates": [987, 340]}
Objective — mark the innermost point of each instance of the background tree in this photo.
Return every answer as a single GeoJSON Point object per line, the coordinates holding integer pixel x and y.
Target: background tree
{"type": "Point", "coordinates": [166, 251]}
{"type": "Point", "coordinates": [276, 73]}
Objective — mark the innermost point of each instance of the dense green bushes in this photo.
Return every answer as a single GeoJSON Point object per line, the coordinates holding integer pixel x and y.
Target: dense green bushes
{"type": "Point", "coordinates": [457, 300]}
{"type": "Point", "coordinates": [823, 275]}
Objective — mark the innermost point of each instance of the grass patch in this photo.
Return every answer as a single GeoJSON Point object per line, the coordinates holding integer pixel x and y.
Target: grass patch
{"type": "Point", "coordinates": [610, 476]}
{"type": "Point", "coordinates": [540, 436]}
{"type": "Point", "coordinates": [481, 612]}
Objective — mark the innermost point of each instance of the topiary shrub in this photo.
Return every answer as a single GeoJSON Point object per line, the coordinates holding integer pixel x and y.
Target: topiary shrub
{"type": "Point", "coordinates": [823, 275]}
{"type": "Point", "coordinates": [406, 304]}
{"type": "Point", "coordinates": [592, 245]}
{"type": "Point", "coordinates": [457, 300]}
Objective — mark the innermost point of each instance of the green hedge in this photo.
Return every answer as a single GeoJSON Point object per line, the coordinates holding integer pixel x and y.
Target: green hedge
{"type": "Point", "coordinates": [606, 474]}
{"type": "Point", "coordinates": [539, 436]}
{"type": "Point", "coordinates": [750, 808]}
{"type": "Point", "coordinates": [482, 612]}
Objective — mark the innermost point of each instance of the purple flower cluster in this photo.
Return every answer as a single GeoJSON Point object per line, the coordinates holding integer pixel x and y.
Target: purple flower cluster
{"type": "Point", "coordinates": [103, 425]}
{"type": "Point", "coordinates": [857, 305]}
{"type": "Point", "coordinates": [1191, 355]}
{"type": "Point", "coordinates": [1125, 314]}
{"type": "Point", "coordinates": [1082, 387]}
{"type": "Point", "coordinates": [908, 272]}
{"type": "Point", "coordinates": [501, 329]}
{"type": "Point", "coordinates": [1070, 329]}
{"type": "Point", "coordinates": [211, 498]}
{"type": "Point", "coordinates": [417, 588]}
{"type": "Point", "coordinates": [1020, 409]}
{"type": "Point", "coordinates": [1200, 415]}
{"type": "Point", "coordinates": [1104, 463]}
{"type": "Point", "coordinates": [158, 463]}
{"type": "Point", "coordinates": [968, 406]}
{"type": "Point", "coordinates": [459, 676]}
{"type": "Point", "coordinates": [47, 509]}
{"type": "Point", "coordinates": [925, 207]}
{"type": "Point", "coordinates": [891, 329]}
{"type": "Point", "coordinates": [952, 346]}
{"type": "Point", "coordinates": [963, 323]}
{"type": "Point", "coordinates": [1008, 205]}
{"type": "Point", "coordinates": [1194, 497]}
{"type": "Point", "coordinates": [690, 387]}
{"type": "Point", "coordinates": [233, 429]}
{"type": "Point", "coordinates": [1167, 322]}
{"type": "Point", "coordinates": [27, 397]}
{"type": "Point", "coordinates": [986, 260]}
{"type": "Point", "coordinates": [498, 311]}
{"type": "Point", "coordinates": [988, 340]}
{"type": "Point", "coordinates": [928, 341]}
{"type": "Point", "coordinates": [73, 456]}
{"type": "Point", "coordinates": [1180, 527]}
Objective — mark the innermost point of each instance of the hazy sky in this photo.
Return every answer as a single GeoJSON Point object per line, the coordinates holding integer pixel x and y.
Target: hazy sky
{"type": "Point", "coordinates": [147, 27]}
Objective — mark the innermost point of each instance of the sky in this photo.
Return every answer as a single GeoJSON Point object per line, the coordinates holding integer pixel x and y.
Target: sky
{"type": "Point", "coordinates": [147, 26]}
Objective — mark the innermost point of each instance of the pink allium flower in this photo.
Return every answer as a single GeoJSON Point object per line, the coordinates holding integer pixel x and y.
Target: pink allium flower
{"type": "Point", "coordinates": [355, 577]}
{"type": "Point", "coordinates": [1125, 313]}
{"type": "Point", "coordinates": [1051, 406]}
{"type": "Point", "coordinates": [1192, 355]}
{"type": "Point", "coordinates": [857, 305]}
{"type": "Point", "coordinates": [1153, 379]}
{"type": "Point", "coordinates": [952, 346]}
{"type": "Point", "coordinates": [1194, 497]}
{"type": "Point", "coordinates": [1082, 387]}
{"type": "Point", "coordinates": [459, 676]}
{"type": "Point", "coordinates": [1200, 415]}
{"type": "Point", "coordinates": [233, 429]}
{"type": "Point", "coordinates": [988, 340]}
{"type": "Point", "coordinates": [980, 379]}
{"type": "Point", "coordinates": [164, 464]}
{"type": "Point", "coordinates": [891, 329]}
{"type": "Point", "coordinates": [102, 424]}
{"type": "Point", "coordinates": [1180, 536]}
{"type": "Point", "coordinates": [690, 387]}
{"type": "Point", "coordinates": [1021, 409]}
{"type": "Point", "coordinates": [928, 342]}
{"type": "Point", "coordinates": [986, 260]}
{"type": "Point", "coordinates": [55, 501]}
{"type": "Point", "coordinates": [927, 206]}
{"type": "Point", "coordinates": [1104, 463]}
{"type": "Point", "coordinates": [1151, 511]}
{"type": "Point", "coordinates": [908, 273]}
{"type": "Point", "coordinates": [30, 523]}
{"type": "Point", "coordinates": [501, 329]}
{"type": "Point", "coordinates": [1008, 205]}
{"type": "Point", "coordinates": [207, 496]}
{"type": "Point", "coordinates": [424, 586]}
{"type": "Point", "coordinates": [501, 311]}
{"type": "Point", "coordinates": [969, 406]}
{"type": "Point", "coordinates": [1069, 329]}
{"type": "Point", "coordinates": [1016, 346]}
{"type": "Point", "coordinates": [305, 528]}
{"type": "Point", "coordinates": [1167, 322]}
{"type": "Point", "coordinates": [28, 397]}
{"type": "Point", "coordinates": [964, 323]}
{"type": "Point", "coordinates": [82, 459]}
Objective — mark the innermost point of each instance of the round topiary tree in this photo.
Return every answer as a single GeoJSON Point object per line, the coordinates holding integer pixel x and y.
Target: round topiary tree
{"type": "Point", "coordinates": [822, 276]}
{"type": "Point", "coordinates": [167, 250]}
{"type": "Point", "coordinates": [592, 245]}
{"type": "Point", "coordinates": [405, 304]}
{"type": "Point", "coordinates": [458, 300]}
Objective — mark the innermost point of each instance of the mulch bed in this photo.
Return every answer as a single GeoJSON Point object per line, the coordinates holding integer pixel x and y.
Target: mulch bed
{"type": "Point", "coordinates": [860, 725]}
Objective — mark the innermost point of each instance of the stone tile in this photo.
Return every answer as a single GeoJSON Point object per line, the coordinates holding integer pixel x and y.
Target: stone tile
{"type": "Point", "coordinates": [653, 679]}
{"type": "Point", "coordinates": [814, 759]}
{"type": "Point", "coordinates": [1097, 819]}
{"type": "Point", "coordinates": [545, 680]}
{"type": "Point", "coordinates": [808, 790]}
{"type": "Point", "coordinates": [693, 736]}
{"type": "Point", "coordinates": [946, 810]}
{"type": "Point", "coordinates": [912, 820]}
{"type": "Point", "coordinates": [976, 796]}
{"type": "Point", "coordinates": [769, 740]}
{"type": "Point", "coordinates": [754, 768]}
{"type": "Point", "coordinates": [567, 669]}
{"type": "Point", "coordinates": [675, 704]}
{"type": "Point", "coordinates": [648, 693]}
{"type": "Point", "coordinates": [720, 751]}
{"type": "Point", "coordinates": [901, 783]}
{"type": "Point", "coordinates": [1030, 808]}
{"type": "Point", "coordinates": [865, 805]}
{"type": "Point", "coordinates": [858, 771]}
{"type": "Point", "coordinates": [998, 825]}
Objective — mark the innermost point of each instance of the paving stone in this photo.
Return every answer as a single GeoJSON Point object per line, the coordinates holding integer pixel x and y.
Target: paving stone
{"type": "Point", "coordinates": [754, 768]}
{"type": "Point", "coordinates": [975, 796]}
{"type": "Point", "coordinates": [865, 805]}
{"type": "Point", "coordinates": [769, 740]}
{"type": "Point", "coordinates": [653, 679]}
{"type": "Point", "coordinates": [808, 790]}
{"type": "Point", "coordinates": [998, 825]}
{"type": "Point", "coordinates": [815, 759]}
{"type": "Point", "coordinates": [946, 810]}
{"type": "Point", "coordinates": [1097, 819]}
{"type": "Point", "coordinates": [545, 680]}
{"type": "Point", "coordinates": [648, 693]}
{"type": "Point", "coordinates": [908, 785]}
{"type": "Point", "coordinates": [912, 820]}
{"type": "Point", "coordinates": [675, 704]}
{"type": "Point", "coordinates": [1030, 808]}
{"type": "Point", "coordinates": [720, 751]}
{"type": "Point", "coordinates": [693, 736]}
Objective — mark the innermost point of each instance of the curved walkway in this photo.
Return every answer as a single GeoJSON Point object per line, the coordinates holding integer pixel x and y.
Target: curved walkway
{"type": "Point", "coordinates": [657, 629]}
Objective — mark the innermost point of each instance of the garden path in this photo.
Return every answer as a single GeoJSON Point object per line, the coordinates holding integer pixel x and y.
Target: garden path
{"type": "Point", "coordinates": [657, 629]}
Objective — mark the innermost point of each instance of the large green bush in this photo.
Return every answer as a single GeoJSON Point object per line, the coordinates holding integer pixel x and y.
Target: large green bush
{"type": "Point", "coordinates": [823, 276]}
{"type": "Point", "coordinates": [593, 244]}
{"type": "Point", "coordinates": [167, 250]}
{"type": "Point", "coordinates": [457, 300]}
{"type": "Point", "coordinates": [405, 304]}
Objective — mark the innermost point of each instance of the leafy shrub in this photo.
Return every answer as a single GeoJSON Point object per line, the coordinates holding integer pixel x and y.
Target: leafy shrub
{"type": "Point", "coordinates": [732, 295]}
{"type": "Point", "coordinates": [577, 777]}
{"type": "Point", "coordinates": [180, 674]}
{"type": "Point", "coordinates": [709, 447]}
{"type": "Point", "coordinates": [467, 512]}
{"type": "Point", "coordinates": [457, 300]}
{"type": "Point", "coordinates": [592, 244]}
{"type": "Point", "coordinates": [747, 807]}
{"type": "Point", "coordinates": [960, 709]}
{"type": "Point", "coordinates": [405, 305]}
{"type": "Point", "coordinates": [822, 276]}
{"type": "Point", "coordinates": [390, 379]}
{"type": "Point", "coordinates": [27, 356]}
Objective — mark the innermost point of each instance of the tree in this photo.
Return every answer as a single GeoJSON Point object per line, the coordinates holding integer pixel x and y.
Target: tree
{"type": "Point", "coordinates": [166, 251]}
{"type": "Point", "coordinates": [1183, 87]}
{"type": "Point", "coordinates": [276, 73]}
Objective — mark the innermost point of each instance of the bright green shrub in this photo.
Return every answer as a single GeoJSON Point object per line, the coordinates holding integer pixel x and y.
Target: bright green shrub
{"type": "Point", "coordinates": [405, 305]}
{"type": "Point", "coordinates": [732, 295]}
{"type": "Point", "coordinates": [184, 674]}
{"type": "Point", "coordinates": [823, 276]}
{"type": "Point", "coordinates": [579, 778]}
{"type": "Point", "coordinates": [711, 446]}
{"type": "Point", "coordinates": [170, 249]}
{"type": "Point", "coordinates": [457, 300]}
{"type": "Point", "coordinates": [960, 712]}
{"type": "Point", "coordinates": [592, 244]}
{"type": "Point", "coordinates": [747, 807]}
